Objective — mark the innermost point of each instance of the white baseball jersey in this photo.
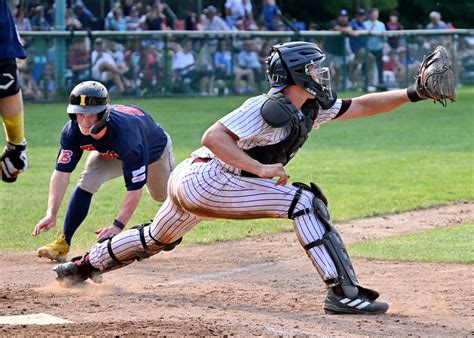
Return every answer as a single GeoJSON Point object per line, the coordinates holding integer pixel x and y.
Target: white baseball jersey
{"type": "Point", "coordinates": [205, 187]}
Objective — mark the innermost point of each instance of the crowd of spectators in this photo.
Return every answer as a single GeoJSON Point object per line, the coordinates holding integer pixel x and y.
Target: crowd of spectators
{"type": "Point", "coordinates": [210, 66]}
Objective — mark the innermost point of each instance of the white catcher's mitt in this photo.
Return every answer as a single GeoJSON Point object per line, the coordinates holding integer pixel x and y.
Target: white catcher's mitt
{"type": "Point", "coordinates": [435, 79]}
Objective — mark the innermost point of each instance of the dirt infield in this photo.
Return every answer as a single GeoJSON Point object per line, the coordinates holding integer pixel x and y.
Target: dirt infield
{"type": "Point", "coordinates": [258, 286]}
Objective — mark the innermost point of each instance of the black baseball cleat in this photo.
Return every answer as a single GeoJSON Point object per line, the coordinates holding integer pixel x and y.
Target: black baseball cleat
{"type": "Point", "coordinates": [363, 304]}
{"type": "Point", "coordinates": [77, 271]}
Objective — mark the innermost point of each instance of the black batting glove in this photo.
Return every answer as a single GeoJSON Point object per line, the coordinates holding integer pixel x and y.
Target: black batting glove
{"type": "Point", "coordinates": [14, 161]}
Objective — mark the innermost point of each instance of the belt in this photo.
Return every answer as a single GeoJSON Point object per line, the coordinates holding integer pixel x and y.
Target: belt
{"type": "Point", "coordinates": [201, 159]}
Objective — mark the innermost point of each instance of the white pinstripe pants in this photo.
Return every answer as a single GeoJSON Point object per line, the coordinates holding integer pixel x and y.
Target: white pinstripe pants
{"type": "Point", "coordinates": [198, 191]}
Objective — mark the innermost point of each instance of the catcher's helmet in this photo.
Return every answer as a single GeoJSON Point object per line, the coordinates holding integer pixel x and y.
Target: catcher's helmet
{"type": "Point", "coordinates": [90, 97]}
{"type": "Point", "coordinates": [298, 63]}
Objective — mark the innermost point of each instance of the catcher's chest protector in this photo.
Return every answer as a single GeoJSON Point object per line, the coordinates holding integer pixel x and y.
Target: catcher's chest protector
{"type": "Point", "coordinates": [278, 112]}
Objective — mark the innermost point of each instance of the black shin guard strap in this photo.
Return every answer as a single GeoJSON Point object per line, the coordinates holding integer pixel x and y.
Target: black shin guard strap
{"type": "Point", "coordinates": [142, 238]}
{"type": "Point", "coordinates": [111, 253]}
{"type": "Point", "coordinates": [166, 246]}
{"type": "Point", "coordinates": [293, 203]}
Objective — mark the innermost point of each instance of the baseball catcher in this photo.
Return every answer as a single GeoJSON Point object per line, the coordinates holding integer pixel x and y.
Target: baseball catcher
{"type": "Point", "coordinates": [239, 173]}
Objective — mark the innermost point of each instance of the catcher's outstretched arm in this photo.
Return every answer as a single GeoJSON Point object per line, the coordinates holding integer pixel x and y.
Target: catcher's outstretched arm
{"type": "Point", "coordinates": [375, 103]}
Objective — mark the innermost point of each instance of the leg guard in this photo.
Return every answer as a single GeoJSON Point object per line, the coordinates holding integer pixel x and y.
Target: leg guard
{"type": "Point", "coordinates": [331, 240]}
{"type": "Point", "coordinates": [147, 251]}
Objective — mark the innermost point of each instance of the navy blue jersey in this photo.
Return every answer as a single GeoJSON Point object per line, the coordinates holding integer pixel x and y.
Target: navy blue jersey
{"type": "Point", "coordinates": [132, 136]}
{"type": "Point", "coordinates": [10, 43]}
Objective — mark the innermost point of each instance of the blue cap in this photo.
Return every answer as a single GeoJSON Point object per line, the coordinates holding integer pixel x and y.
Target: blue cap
{"type": "Point", "coordinates": [343, 12]}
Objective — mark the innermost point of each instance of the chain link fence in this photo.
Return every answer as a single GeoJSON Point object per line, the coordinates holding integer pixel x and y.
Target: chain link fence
{"type": "Point", "coordinates": [165, 63]}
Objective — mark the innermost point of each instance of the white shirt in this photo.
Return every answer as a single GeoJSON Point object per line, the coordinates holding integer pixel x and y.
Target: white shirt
{"type": "Point", "coordinates": [182, 60]}
{"type": "Point", "coordinates": [248, 125]}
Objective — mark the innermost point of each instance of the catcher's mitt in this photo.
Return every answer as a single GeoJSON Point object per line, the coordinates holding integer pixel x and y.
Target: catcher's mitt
{"type": "Point", "coordinates": [435, 78]}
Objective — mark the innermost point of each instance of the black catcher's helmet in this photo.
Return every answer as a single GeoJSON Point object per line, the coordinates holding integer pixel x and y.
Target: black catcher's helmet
{"type": "Point", "coordinates": [90, 97]}
{"type": "Point", "coordinates": [298, 63]}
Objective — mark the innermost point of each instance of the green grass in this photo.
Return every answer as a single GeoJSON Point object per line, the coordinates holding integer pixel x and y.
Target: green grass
{"type": "Point", "coordinates": [416, 157]}
{"type": "Point", "coordinates": [446, 245]}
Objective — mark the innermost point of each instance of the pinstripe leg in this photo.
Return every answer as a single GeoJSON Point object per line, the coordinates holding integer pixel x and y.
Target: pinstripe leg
{"type": "Point", "coordinates": [170, 224]}
{"type": "Point", "coordinates": [212, 193]}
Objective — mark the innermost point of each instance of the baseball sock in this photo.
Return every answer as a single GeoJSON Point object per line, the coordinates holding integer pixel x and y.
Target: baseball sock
{"type": "Point", "coordinates": [77, 210]}
{"type": "Point", "coordinates": [14, 130]}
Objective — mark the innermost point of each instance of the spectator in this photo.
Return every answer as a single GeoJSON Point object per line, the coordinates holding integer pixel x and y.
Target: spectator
{"type": "Point", "coordinates": [154, 19]}
{"type": "Point", "coordinates": [29, 88]}
{"type": "Point", "coordinates": [375, 43]}
{"type": "Point", "coordinates": [72, 23]}
{"type": "Point", "coordinates": [191, 21]}
{"type": "Point", "coordinates": [78, 57]}
{"type": "Point", "coordinates": [238, 9]}
{"type": "Point", "coordinates": [47, 82]}
{"type": "Point", "coordinates": [133, 19]}
{"type": "Point", "coordinates": [152, 68]}
{"type": "Point", "coordinates": [38, 21]}
{"type": "Point", "coordinates": [127, 7]}
{"type": "Point", "coordinates": [205, 73]}
{"type": "Point", "coordinates": [248, 67]}
{"type": "Point", "coordinates": [336, 46]}
{"type": "Point", "coordinates": [117, 22]}
{"type": "Point", "coordinates": [183, 65]}
{"type": "Point", "coordinates": [84, 15]}
{"type": "Point", "coordinates": [110, 15]}
{"type": "Point", "coordinates": [270, 14]}
{"type": "Point", "coordinates": [223, 66]}
{"type": "Point", "coordinates": [436, 22]}
{"type": "Point", "coordinates": [358, 66]}
{"type": "Point", "coordinates": [393, 24]}
{"type": "Point", "coordinates": [21, 20]}
{"type": "Point", "coordinates": [104, 67]}
{"type": "Point", "coordinates": [393, 70]}
{"type": "Point", "coordinates": [215, 22]}
{"type": "Point", "coordinates": [357, 23]}
{"type": "Point", "coordinates": [49, 13]}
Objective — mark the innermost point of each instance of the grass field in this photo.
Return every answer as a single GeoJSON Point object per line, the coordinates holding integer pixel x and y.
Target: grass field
{"type": "Point", "coordinates": [416, 157]}
{"type": "Point", "coordinates": [447, 245]}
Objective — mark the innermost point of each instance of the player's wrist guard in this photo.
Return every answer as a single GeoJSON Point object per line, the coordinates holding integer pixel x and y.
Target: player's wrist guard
{"type": "Point", "coordinates": [119, 224]}
{"type": "Point", "coordinates": [413, 95]}
{"type": "Point", "coordinates": [14, 161]}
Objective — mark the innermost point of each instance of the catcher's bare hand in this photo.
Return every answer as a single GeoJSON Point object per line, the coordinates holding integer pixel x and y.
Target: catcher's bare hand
{"type": "Point", "coordinates": [274, 170]}
{"type": "Point", "coordinates": [107, 232]}
{"type": "Point", "coordinates": [48, 222]}
{"type": "Point", "coordinates": [435, 78]}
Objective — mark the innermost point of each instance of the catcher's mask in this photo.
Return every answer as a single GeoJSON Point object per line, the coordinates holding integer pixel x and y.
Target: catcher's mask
{"type": "Point", "coordinates": [298, 63]}
{"type": "Point", "coordinates": [90, 97]}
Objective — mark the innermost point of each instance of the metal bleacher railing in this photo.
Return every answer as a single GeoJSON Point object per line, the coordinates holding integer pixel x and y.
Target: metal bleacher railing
{"type": "Point", "coordinates": [157, 63]}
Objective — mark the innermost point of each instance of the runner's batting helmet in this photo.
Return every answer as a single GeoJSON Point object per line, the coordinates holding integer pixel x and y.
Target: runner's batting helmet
{"type": "Point", "coordinates": [90, 97]}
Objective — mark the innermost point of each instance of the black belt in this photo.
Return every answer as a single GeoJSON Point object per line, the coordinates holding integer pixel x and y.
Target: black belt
{"type": "Point", "coordinates": [201, 159]}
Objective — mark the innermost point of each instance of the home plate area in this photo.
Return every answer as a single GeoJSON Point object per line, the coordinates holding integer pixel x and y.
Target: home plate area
{"type": "Point", "coordinates": [32, 319]}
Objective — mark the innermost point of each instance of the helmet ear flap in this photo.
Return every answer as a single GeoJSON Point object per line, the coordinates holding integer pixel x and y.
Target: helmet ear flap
{"type": "Point", "coordinates": [104, 118]}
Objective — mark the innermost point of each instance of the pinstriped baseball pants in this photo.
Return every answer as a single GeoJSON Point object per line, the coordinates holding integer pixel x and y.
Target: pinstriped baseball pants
{"type": "Point", "coordinates": [199, 191]}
